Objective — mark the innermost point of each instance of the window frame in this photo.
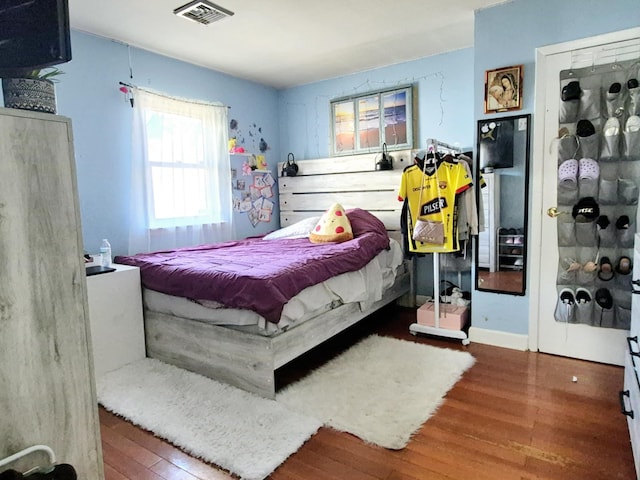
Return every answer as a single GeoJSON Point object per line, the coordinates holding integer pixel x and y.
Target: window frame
{"type": "Point", "coordinates": [208, 216]}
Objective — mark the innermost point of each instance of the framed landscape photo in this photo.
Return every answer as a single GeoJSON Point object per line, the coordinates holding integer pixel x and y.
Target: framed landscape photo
{"type": "Point", "coordinates": [503, 89]}
{"type": "Point", "coordinates": [363, 123]}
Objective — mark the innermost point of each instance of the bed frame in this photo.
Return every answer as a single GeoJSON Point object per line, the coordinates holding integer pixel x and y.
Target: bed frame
{"type": "Point", "coordinates": [248, 360]}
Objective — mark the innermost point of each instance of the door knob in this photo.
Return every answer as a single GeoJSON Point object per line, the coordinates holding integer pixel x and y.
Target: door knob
{"type": "Point", "coordinates": [553, 212]}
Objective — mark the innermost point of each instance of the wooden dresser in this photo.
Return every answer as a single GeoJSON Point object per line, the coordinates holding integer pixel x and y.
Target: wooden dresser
{"type": "Point", "coordinates": [47, 387]}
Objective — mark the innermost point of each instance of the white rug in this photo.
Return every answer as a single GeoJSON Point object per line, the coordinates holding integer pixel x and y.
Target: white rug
{"type": "Point", "coordinates": [245, 434]}
{"type": "Point", "coordinates": [382, 389]}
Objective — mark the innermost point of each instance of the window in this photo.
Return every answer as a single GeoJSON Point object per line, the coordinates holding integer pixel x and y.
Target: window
{"type": "Point", "coordinates": [182, 163]}
{"type": "Point", "coordinates": [181, 181]}
{"type": "Point", "coordinates": [177, 171]}
{"type": "Point", "coordinates": [362, 124]}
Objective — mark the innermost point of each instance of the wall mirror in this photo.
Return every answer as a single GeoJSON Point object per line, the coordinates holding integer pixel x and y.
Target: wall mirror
{"type": "Point", "coordinates": [502, 170]}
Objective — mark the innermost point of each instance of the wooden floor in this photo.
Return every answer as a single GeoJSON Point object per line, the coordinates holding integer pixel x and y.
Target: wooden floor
{"type": "Point", "coordinates": [502, 281]}
{"type": "Point", "coordinates": [514, 415]}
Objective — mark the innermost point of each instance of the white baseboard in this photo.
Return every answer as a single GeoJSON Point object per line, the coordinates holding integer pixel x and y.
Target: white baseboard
{"type": "Point", "coordinates": [499, 339]}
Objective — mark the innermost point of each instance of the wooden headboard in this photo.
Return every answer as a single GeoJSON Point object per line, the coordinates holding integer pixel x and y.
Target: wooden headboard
{"type": "Point", "coordinates": [352, 181]}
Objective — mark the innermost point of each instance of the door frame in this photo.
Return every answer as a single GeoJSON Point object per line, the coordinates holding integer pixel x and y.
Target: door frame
{"type": "Point", "coordinates": [537, 165]}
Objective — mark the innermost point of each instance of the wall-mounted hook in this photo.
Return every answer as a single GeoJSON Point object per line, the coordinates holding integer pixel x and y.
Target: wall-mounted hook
{"type": "Point", "coordinates": [128, 94]}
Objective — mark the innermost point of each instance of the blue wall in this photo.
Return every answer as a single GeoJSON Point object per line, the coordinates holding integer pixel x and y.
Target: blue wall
{"type": "Point", "coordinates": [508, 34]}
{"type": "Point", "coordinates": [444, 103]}
{"type": "Point", "coordinates": [89, 94]}
{"type": "Point", "coordinates": [449, 102]}
{"type": "Point", "coordinates": [450, 99]}
{"type": "Point", "coordinates": [444, 109]}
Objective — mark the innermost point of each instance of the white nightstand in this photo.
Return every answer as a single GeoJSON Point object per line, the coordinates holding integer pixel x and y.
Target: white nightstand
{"type": "Point", "coordinates": [115, 314]}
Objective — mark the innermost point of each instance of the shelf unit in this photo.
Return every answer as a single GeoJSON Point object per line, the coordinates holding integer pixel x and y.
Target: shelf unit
{"type": "Point", "coordinates": [511, 251]}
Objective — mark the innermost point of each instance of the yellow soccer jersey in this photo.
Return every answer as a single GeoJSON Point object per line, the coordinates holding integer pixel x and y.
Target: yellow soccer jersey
{"type": "Point", "coordinates": [438, 202]}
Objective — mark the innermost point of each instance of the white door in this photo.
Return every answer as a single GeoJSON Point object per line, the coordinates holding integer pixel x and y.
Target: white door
{"type": "Point", "coordinates": [606, 345]}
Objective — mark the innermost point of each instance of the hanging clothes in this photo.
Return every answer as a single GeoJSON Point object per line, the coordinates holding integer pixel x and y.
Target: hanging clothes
{"type": "Point", "coordinates": [467, 206]}
{"type": "Point", "coordinates": [440, 183]}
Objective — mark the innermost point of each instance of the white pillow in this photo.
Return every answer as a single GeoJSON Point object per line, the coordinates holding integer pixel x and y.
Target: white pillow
{"type": "Point", "coordinates": [300, 229]}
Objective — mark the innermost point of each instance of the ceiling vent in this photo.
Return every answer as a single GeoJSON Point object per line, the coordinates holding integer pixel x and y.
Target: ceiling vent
{"type": "Point", "coordinates": [203, 12]}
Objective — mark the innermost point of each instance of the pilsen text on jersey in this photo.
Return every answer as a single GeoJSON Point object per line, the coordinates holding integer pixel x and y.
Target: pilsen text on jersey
{"type": "Point", "coordinates": [434, 206]}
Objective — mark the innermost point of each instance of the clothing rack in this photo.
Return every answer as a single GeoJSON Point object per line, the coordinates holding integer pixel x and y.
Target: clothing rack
{"type": "Point", "coordinates": [434, 145]}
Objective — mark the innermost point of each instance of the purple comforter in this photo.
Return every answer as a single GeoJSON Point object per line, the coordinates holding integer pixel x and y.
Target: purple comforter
{"type": "Point", "coordinates": [256, 274]}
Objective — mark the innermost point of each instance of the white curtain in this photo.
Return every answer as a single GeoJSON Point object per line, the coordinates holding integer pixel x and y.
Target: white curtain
{"type": "Point", "coordinates": [146, 232]}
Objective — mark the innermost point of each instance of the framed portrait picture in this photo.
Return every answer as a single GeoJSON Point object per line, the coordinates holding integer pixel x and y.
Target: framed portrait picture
{"type": "Point", "coordinates": [503, 89]}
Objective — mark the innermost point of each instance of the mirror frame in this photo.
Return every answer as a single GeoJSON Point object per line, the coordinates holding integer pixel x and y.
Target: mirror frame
{"type": "Point", "coordinates": [478, 170]}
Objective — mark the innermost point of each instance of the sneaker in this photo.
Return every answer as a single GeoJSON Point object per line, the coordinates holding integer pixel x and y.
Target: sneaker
{"type": "Point", "coordinates": [603, 222]}
{"type": "Point", "coordinates": [606, 269]}
{"type": "Point", "coordinates": [567, 297]}
{"type": "Point", "coordinates": [611, 127]}
{"type": "Point", "coordinates": [615, 101]}
{"type": "Point", "coordinates": [624, 265]}
{"type": "Point", "coordinates": [633, 124]}
{"type": "Point", "coordinates": [509, 240]}
{"type": "Point", "coordinates": [565, 305]}
{"type": "Point", "coordinates": [574, 267]}
{"type": "Point", "coordinates": [622, 223]}
{"type": "Point", "coordinates": [517, 241]}
{"type": "Point", "coordinates": [571, 91]}
{"type": "Point", "coordinates": [604, 298]}
{"type": "Point", "coordinates": [460, 302]}
{"type": "Point", "coordinates": [583, 295]}
{"type": "Point", "coordinates": [590, 267]}
{"type": "Point", "coordinates": [585, 128]}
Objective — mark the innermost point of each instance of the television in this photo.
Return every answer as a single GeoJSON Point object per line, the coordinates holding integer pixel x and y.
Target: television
{"type": "Point", "coordinates": [34, 34]}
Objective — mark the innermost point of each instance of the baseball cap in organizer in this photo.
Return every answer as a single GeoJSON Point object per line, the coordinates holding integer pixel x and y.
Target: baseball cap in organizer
{"type": "Point", "coordinates": [586, 210]}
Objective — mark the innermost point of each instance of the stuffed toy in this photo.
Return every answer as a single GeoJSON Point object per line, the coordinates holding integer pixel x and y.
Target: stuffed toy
{"type": "Point", "coordinates": [233, 148]}
{"type": "Point", "coordinates": [333, 226]}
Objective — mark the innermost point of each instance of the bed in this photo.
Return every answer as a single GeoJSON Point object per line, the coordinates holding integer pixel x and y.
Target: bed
{"type": "Point", "coordinates": [241, 331]}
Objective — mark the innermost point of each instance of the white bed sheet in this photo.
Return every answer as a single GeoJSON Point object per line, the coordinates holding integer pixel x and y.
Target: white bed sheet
{"type": "Point", "coordinates": [365, 286]}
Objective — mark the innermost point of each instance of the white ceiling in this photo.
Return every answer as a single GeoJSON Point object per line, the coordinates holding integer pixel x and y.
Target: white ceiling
{"type": "Point", "coordinates": [284, 43]}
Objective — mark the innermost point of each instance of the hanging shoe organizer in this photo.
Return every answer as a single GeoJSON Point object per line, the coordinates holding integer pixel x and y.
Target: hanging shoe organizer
{"type": "Point", "coordinates": [598, 183]}
{"type": "Point", "coordinates": [51, 471]}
